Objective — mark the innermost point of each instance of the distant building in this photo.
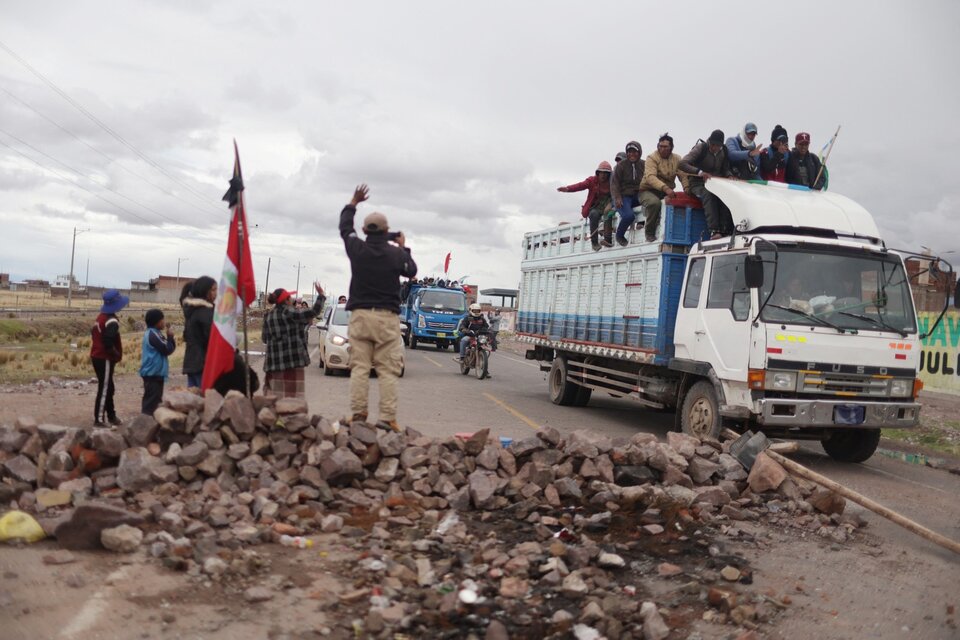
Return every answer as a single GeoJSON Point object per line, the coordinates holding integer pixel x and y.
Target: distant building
{"type": "Point", "coordinates": [62, 282]}
{"type": "Point", "coordinates": [4, 280]}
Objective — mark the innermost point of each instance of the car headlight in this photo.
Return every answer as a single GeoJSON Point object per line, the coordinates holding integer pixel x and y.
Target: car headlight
{"type": "Point", "coordinates": [339, 340]}
{"type": "Point", "coordinates": [781, 380]}
{"type": "Point", "coordinates": [901, 388]}
{"type": "Point", "coordinates": [421, 322]}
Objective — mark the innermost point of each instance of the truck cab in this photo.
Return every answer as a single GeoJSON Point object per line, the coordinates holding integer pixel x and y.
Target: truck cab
{"type": "Point", "coordinates": [432, 315]}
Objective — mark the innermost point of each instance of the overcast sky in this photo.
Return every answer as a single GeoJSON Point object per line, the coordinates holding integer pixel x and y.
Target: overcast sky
{"type": "Point", "coordinates": [463, 120]}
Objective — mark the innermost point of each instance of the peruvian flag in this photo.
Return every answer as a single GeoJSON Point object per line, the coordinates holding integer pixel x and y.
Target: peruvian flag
{"type": "Point", "coordinates": [237, 287]}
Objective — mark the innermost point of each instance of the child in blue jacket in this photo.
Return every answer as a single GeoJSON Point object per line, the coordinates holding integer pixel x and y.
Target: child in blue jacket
{"type": "Point", "coordinates": [154, 366]}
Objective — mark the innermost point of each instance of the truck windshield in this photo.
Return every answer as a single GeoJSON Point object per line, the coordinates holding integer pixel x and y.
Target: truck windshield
{"type": "Point", "coordinates": [443, 301]}
{"type": "Point", "coordinates": [848, 288]}
{"type": "Point", "coordinates": [341, 317]}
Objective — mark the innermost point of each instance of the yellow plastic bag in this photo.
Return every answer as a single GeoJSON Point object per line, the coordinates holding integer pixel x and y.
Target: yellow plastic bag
{"type": "Point", "coordinates": [17, 524]}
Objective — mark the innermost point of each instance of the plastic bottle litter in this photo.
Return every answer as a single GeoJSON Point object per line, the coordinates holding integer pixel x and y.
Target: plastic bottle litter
{"type": "Point", "coordinates": [300, 542]}
{"type": "Point", "coordinates": [19, 525]}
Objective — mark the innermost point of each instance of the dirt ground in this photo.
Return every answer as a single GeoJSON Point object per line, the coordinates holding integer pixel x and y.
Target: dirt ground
{"type": "Point", "coordinates": [866, 587]}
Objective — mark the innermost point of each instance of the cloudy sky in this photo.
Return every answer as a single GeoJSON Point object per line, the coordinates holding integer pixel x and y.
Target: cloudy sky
{"type": "Point", "coordinates": [118, 117]}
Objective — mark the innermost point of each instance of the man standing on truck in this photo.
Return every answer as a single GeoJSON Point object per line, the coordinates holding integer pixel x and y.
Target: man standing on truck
{"type": "Point", "coordinates": [803, 167]}
{"type": "Point", "coordinates": [597, 205]}
{"type": "Point", "coordinates": [624, 187]}
{"type": "Point", "coordinates": [709, 160]}
{"type": "Point", "coordinates": [659, 178]}
{"type": "Point", "coordinates": [376, 266]}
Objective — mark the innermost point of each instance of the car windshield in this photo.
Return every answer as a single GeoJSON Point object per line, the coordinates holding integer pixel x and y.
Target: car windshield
{"type": "Point", "coordinates": [848, 288]}
{"type": "Point", "coordinates": [341, 317]}
{"type": "Point", "coordinates": [443, 301]}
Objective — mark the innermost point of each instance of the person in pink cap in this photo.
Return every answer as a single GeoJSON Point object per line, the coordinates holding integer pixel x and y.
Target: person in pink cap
{"type": "Point", "coordinates": [803, 167]}
{"type": "Point", "coordinates": [597, 205]}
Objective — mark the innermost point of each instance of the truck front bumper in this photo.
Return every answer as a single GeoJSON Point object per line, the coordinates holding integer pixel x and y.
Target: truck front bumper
{"type": "Point", "coordinates": [787, 412]}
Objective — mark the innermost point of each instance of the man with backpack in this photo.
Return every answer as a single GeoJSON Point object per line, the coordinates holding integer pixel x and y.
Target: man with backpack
{"type": "Point", "coordinates": [708, 160]}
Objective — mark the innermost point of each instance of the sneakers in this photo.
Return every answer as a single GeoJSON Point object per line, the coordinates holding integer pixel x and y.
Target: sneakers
{"type": "Point", "coordinates": [115, 421]}
{"type": "Point", "coordinates": [359, 417]}
{"type": "Point", "coordinates": [606, 243]}
{"type": "Point", "coordinates": [389, 425]}
{"type": "Point", "coordinates": [595, 245]}
{"type": "Point", "coordinates": [622, 242]}
{"type": "Point", "coordinates": [99, 423]}
{"type": "Point", "coordinates": [457, 359]}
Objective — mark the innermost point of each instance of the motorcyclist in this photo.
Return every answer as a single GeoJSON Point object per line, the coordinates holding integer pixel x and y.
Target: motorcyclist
{"type": "Point", "coordinates": [470, 325]}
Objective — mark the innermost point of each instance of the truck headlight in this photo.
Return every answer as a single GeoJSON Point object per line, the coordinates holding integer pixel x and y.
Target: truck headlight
{"type": "Point", "coordinates": [338, 340]}
{"type": "Point", "coordinates": [421, 322]}
{"type": "Point", "coordinates": [782, 380]}
{"type": "Point", "coordinates": [901, 388]}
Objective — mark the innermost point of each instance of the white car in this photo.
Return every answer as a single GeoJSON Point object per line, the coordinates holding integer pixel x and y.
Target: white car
{"type": "Point", "coordinates": [335, 341]}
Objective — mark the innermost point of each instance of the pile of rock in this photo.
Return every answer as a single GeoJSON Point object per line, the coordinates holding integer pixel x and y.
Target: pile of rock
{"type": "Point", "coordinates": [207, 474]}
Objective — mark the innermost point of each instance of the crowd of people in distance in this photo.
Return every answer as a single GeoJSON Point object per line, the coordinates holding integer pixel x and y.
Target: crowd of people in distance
{"type": "Point", "coordinates": [633, 181]}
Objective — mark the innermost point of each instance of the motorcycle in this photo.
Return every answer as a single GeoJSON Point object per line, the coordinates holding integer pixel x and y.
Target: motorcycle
{"type": "Point", "coordinates": [477, 355]}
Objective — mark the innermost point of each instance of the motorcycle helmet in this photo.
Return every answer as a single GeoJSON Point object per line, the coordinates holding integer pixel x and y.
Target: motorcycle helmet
{"type": "Point", "coordinates": [475, 310]}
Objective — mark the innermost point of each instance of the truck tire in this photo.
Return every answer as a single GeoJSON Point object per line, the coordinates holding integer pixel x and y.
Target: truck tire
{"type": "Point", "coordinates": [583, 396]}
{"type": "Point", "coordinates": [851, 445]}
{"type": "Point", "coordinates": [413, 341]}
{"type": "Point", "coordinates": [562, 391]}
{"type": "Point", "coordinates": [700, 413]}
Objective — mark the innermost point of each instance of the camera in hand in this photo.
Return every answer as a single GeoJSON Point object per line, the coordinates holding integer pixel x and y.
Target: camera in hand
{"type": "Point", "coordinates": [393, 235]}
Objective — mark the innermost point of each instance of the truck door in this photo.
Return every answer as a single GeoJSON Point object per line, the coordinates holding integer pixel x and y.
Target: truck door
{"type": "Point", "coordinates": [689, 327]}
{"type": "Point", "coordinates": [725, 342]}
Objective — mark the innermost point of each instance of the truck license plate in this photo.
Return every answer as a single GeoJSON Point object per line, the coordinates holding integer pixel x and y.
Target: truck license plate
{"type": "Point", "coordinates": [441, 335]}
{"type": "Point", "coordinates": [849, 414]}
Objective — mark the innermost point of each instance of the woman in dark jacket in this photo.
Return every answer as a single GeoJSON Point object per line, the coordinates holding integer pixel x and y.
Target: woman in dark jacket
{"type": "Point", "coordinates": [283, 338]}
{"type": "Point", "coordinates": [198, 320]}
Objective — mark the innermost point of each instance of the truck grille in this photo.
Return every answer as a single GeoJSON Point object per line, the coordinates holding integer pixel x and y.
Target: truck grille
{"type": "Point", "coordinates": [450, 326]}
{"type": "Point", "coordinates": [828, 383]}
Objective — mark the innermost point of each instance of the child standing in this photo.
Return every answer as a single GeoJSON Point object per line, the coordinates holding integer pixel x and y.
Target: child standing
{"type": "Point", "coordinates": [106, 351]}
{"type": "Point", "coordinates": [154, 366]}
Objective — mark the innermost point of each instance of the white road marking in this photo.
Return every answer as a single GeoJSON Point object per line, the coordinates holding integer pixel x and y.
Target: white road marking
{"type": "Point", "coordinates": [95, 606]}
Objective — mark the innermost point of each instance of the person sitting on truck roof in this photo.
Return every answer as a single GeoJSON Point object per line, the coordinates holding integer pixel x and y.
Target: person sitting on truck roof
{"type": "Point", "coordinates": [773, 159]}
{"type": "Point", "coordinates": [744, 153]}
{"type": "Point", "coordinates": [619, 157]}
{"type": "Point", "coordinates": [624, 187]}
{"type": "Point", "coordinates": [659, 179]}
{"type": "Point", "coordinates": [709, 160]}
{"type": "Point", "coordinates": [803, 167]}
{"type": "Point", "coordinates": [597, 205]}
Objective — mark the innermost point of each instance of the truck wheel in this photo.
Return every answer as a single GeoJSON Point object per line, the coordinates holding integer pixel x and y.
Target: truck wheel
{"type": "Point", "coordinates": [562, 391]}
{"type": "Point", "coordinates": [413, 341]}
{"type": "Point", "coordinates": [441, 345]}
{"type": "Point", "coordinates": [700, 414]}
{"type": "Point", "coordinates": [851, 445]}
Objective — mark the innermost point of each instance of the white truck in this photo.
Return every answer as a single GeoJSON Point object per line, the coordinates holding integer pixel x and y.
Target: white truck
{"type": "Point", "coordinates": [801, 324]}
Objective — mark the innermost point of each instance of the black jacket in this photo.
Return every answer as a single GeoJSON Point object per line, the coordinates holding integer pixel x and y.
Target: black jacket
{"type": "Point", "coordinates": [812, 163]}
{"type": "Point", "coordinates": [375, 267]}
{"type": "Point", "coordinates": [198, 319]}
{"type": "Point", "coordinates": [472, 323]}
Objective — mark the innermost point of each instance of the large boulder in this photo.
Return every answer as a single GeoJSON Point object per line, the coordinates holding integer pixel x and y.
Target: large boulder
{"type": "Point", "coordinates": [83, 528]}
{"type": "Point", "coordinates": [134, 473]}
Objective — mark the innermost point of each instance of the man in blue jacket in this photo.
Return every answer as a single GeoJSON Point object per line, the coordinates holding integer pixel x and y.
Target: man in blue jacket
{"type": "Point", "coordinates": [744, 153]}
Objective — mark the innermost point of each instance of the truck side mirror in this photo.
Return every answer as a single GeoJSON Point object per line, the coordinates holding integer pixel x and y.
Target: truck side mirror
{"type": "Point", "coordinates": [753, 271]}
{"type": "Point", "coordinates": [956, 296]}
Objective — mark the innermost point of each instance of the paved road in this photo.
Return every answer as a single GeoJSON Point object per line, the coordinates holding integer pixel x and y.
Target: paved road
{"type": "Point", "coordinates": [438, 401]}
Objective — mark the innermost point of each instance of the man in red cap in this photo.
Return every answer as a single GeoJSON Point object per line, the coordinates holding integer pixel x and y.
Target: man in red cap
{"type": "Point", "coordinates": [376, 266]}
{"type": "Point", "coordinates": [803, 167]}
{"type": "Point", "coordinates": [597, 205]}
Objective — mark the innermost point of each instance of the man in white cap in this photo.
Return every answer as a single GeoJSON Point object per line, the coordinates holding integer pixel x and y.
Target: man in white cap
{"type": "Point", "coordinates": [376, 266]}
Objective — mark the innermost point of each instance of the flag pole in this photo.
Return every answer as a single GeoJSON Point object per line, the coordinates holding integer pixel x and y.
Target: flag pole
{"type": "Point", "coordinates": [823, 163]}
{"type": "Point", "coordinates": [241, 233]}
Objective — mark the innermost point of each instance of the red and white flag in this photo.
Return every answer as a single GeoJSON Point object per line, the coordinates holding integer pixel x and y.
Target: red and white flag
{"type": "Point", "coordinates": [446, 264]}
{"type": "Point", "coordinates": [237, 287]}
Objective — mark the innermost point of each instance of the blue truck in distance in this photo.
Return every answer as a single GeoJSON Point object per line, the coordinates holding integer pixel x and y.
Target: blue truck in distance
{"type": "Point", "coordinates": [432, 314]}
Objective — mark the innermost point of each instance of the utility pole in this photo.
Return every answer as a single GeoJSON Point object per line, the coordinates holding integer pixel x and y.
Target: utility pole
{"type": "Point", "coordinates": [179, 260]}
{"type": "Point", "coordinates": [300, 267]}
{"type": "Point", "coordinates": [266, 285]}
{"type": "Point", "coordinates": [73, 248]}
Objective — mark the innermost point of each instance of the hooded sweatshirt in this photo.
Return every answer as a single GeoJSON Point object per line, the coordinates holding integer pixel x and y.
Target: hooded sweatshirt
{"type": "Point", "coordinates": [742, 164]}
{"type": "Point", "coordinates": [626, 177]}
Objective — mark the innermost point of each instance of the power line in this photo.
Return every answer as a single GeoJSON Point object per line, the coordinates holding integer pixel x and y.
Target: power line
{"type": "Point", "coordinates": [100, 197]}
{"type": "Point", "coordinates": [105, 155]}
{"type": "Point", "coordinates": [63, 94]}
{"type": "Point", "coordinates": [82, 175]}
